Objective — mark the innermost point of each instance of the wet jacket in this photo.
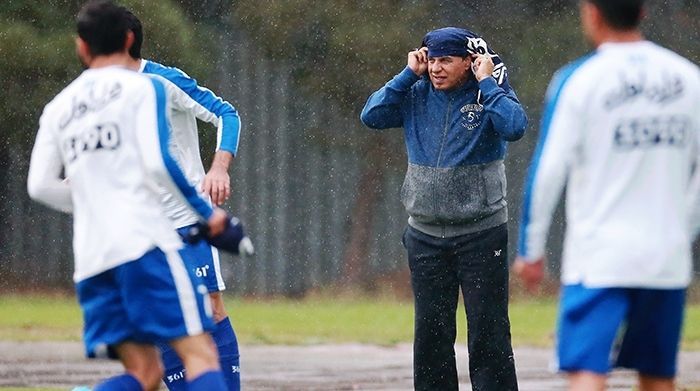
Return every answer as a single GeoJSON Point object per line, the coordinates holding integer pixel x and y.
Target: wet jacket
{"type": "Point", "coordinates": [456, 142]}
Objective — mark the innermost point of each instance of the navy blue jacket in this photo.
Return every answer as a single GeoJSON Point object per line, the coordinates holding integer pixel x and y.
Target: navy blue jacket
{"type": "Point", "coordinates": [456, 142]}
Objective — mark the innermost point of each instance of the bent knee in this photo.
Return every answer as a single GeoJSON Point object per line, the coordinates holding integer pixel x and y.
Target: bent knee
{"type": "Point", "coordinates": [149, 376]}
{"type": "Point", "coordinates": [197, 351]}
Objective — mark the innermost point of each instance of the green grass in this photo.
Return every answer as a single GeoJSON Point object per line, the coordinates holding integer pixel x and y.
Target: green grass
{"type": "Point", "coordinates": [322, 320]}
{"type": "Point", "coordinates": [532, 322]}
{"type": "Point", "coordinates": [30, 388]}
{"type": "Point", "coordinates": [34, 318]}
{"type": "Point", "coordinates": [315, 320]}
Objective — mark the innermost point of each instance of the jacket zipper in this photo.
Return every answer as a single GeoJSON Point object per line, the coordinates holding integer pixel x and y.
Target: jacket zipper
{"type": "Point", "coordinates": [437, 164]}
{"type": "Point", "coordinates": [444, 131]}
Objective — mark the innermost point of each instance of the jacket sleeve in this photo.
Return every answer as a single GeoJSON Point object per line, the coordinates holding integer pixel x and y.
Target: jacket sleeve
{"type": "Point", "coordinates": [559, 141]}
{"type": "Point", "coordinates": [504, 109]}
{"type": "Point", "coordinates": [383, 108]}
{"type": "Point", "coordinates": [208, 107]}
{"type": "Point", "coordinates": [153, 140]}
{"type": "Point", "coordinates": [44, 182]}
{"type": "Point", "coordinates": [693, 198]}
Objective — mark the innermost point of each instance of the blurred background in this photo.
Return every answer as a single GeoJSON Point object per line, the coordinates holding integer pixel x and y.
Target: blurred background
{"type": "Point", "coordinates": [317, 191]}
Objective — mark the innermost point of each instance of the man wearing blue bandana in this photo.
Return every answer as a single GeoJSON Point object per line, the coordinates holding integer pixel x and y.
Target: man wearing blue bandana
{"type": "Point", "coordinates": [458, 111]}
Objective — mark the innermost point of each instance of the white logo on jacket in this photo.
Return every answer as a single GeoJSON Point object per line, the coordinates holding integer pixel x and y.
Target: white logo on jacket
{"type": "Point", "coordinates": [471, 115]}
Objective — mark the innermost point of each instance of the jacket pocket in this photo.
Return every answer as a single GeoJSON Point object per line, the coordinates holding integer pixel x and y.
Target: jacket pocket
{"type": "Point", "coordinates": [417, 192]}
{"type": "Point", "coordinates": [494, 176]}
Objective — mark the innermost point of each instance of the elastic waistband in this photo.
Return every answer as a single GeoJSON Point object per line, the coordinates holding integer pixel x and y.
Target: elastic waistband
{"type": "Point", "coordinates": [452, 230]}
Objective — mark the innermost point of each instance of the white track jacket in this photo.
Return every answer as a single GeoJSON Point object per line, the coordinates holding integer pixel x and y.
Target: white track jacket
{"type": "Point", "coordinates": [620, 130]}
{"type": "Point", "coordinates": [189, 102]}
{"type": "Point", "coordinates": [107, 131]}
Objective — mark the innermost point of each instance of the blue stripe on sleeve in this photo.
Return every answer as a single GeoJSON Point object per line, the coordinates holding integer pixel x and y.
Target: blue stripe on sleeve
{"type": "Point", "coordinates": [190, 193]}
{"type": "Point", "coordinates": [231, 124]}
{"type": "Point", "coordinates": [553, 94]}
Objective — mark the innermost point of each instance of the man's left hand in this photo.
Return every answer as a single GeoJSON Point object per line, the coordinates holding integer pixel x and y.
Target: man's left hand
{"type": "Point", "coordinates": [482, 66]}
{"type": "Point", "coordinates": [531, 273]}
{"type": "Point", "coordinates": [217, 184]}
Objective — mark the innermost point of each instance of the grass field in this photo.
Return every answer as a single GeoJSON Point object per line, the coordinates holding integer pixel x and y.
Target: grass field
{"type": "Point", "coordinates": [32, 389]}
{"type": "Point", "coordinates": [311, 321]}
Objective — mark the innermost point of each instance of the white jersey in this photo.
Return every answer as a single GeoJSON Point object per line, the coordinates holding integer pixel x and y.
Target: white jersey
{"type": "Point", "coordinates": [107, 130]}
{"type": "Point", "coordinates": [621, 129]}
{"type": "Point", "coordinates": [189, 102]}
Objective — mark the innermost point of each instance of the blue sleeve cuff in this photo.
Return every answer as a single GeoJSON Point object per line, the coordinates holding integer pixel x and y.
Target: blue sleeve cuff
{"type": "Point", "coordinates": [488, 86]}
{"type": "Point", "coordinates": [230, 133]}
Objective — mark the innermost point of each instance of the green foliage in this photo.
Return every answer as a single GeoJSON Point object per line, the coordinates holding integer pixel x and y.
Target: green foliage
{"type": "Point", "coordinates": [171, 38]}
{"type": "Point", "coordinates": [348, 49]}
{"type": "Point", "coordinates": [533, 58]}
{"type": "Point", "coordinates": [42, 14]}
{"type": "Point", "coordinates": [37, 55]}
{"type": "Point", "coordinates": [37, 58]}
{"type": "Point", "coordinates": [342, 51]}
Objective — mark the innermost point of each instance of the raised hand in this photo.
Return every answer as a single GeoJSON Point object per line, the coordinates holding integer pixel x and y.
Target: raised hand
{"type": "Point", "coordinates": [482, 66]}
{"type": "Point", "coordinates": [418, 61]}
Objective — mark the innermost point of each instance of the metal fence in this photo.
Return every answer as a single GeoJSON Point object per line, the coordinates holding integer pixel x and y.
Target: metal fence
{"type": "Point", "coordinates": [321, 210]}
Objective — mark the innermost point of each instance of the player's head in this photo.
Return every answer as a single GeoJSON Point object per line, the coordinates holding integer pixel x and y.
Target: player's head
{"type": "Point", "coordinates": [135, 27]}
{"type": "Point", "coordinates": [102, 30]}
{"type": "Point", "coordinates": [610, 15]}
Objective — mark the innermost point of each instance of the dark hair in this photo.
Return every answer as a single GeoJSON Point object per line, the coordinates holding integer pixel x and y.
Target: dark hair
{"type": "Point", "coordinates": [103, 26]}
{"type": "Point", "coordinates": [135, 26]}
{"type": "Point", "coordinates": [620, 14]}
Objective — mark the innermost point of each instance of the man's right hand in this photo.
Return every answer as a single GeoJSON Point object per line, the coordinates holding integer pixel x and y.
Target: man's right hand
{"type": "Point", "coordinates": [418, 61]}
{"type": "Point", "coordinates": [531, 272]}
{"type": "Point", "coordinates": [217, 222]}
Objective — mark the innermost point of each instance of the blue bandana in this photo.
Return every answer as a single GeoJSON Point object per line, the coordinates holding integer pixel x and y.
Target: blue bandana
{"type": "Point", "coordinates": [454, 41]}
{"type": "Point", "coordinates": [448, 41]}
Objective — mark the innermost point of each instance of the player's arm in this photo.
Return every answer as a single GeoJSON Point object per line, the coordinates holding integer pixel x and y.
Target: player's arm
{"type": "Point", "coordinates": [500, 102]}
{"type": "Point", "coordinates": [694, 197]}
{"type": "Point", "coordinates": [209, 107]}
{"type": "Point", "coordinates": [559, 139]}
{"type": "Point", "coordinates": [153, 140]}
{"type": "Point", "coordinates": [383, 109]}
{"type": "Point", "coordinates": [44, 182]}
{"type": "Point", "coordinates": [694, 187]}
